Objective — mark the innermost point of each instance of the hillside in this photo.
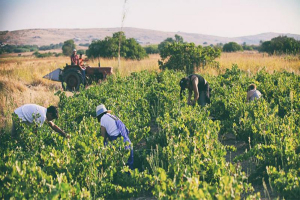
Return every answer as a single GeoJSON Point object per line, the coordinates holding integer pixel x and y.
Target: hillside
{"type": "Point", "coordinates": [143, 36]}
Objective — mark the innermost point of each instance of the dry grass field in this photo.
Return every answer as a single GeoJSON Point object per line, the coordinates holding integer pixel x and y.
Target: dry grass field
{"type": "Point", "coordinates": [21, 79]}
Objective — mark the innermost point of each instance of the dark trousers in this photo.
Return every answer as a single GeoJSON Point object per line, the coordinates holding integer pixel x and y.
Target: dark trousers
{"type": "Point", "coordinates": [204, 96]}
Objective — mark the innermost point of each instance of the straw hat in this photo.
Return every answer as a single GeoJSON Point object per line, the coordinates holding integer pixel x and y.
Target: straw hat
{"type": "Point", "coordinates": [101, 109]}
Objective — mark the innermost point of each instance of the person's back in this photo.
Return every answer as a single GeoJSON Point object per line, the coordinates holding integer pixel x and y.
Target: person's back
{"type": "Point", "coordinates": [81, 64]}
{"type": "Point", "coordinates": [32, 113]}
{"type": "Point", "coordinates": [201, 82]}
{"type": "Point", "coordinates": [253, 93]}
{"type": "Point", "coordinates": [108, 122]}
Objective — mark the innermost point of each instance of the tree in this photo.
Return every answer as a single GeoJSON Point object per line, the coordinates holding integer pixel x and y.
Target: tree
{"type": "Point", "coordinates": [178, 38]}
{"type": "Point", "coordinates": [281, 45]}
{"type": "Point", "coordinates": [166, 42]}
{"type": "Point", "coordinates": [132, 50]}
{"type": "Point", "coordinates": [68, 47]}
{"type": "Point", "coordinates": [109, 47]}
{"type": "Point", "coordinates": [232, 47]}
{"type": "Point", "coordinates": [151, 49]}
{"type": "Point", "coordinates": [186, 56]}
{"type": "Point", "coordinates": [247, 47]}
{"type": "Point", "coordinates": [81, 51]}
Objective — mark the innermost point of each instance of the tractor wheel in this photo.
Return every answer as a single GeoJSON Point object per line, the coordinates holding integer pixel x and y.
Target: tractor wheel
{"type": "Point", "coordinates": [72, 79]}
{"type": "Point", "coordinates": [99, 77]}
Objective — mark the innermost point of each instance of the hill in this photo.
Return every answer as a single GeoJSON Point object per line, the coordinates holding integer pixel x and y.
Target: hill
{"type": "Point", "coordinates": [143, 36]}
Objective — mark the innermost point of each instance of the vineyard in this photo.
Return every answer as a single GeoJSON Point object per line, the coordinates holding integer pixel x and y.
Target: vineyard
{"type": "Point", "coordinates": [178, 152]}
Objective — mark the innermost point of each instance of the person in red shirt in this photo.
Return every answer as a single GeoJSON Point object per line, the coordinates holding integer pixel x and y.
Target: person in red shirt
{"type": "Point", "coordinates": [81, 61]}
{"type": "Point", "coordinates": [81, 65]}
{"type": "Point", "coordinates": [74, 58]}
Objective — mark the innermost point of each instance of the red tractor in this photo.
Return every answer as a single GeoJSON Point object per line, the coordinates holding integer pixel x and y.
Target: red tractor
{"type": "Point", "coordinates": [72, 76]}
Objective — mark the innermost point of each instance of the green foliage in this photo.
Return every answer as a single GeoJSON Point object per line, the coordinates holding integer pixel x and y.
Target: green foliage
{"type": "Point", "coordinates": [27, 48]}
{"type": "Point", "coordinates": [109, 48]}
{"type": "Point", "coordinates": [42, 55]}
{"type": "Point", "coordinates": [177, 153]}
{"type": "Point", "coordinates": [80, 51]}
{"type": "Point", "coordinates": [247, 47]}
{"type": "Point", "coordinates": [151, 49]}
{"type": "Point", "coordinates": [281, 45]}
{"type": "Point", "coordinates": [45, 55]}
{"type": "Point", "coordinates": [84, 44]}
{"type": "Point", "coordinates": [166, 42]}
{"type": "Point", "coordinates": [268, 125]}
{"type": "Point", "coordinates": [51, 46]}
{"type": "Point", "coordinates": [232, 47]}
{"type": "Point", "coordinates": [67, 47]}
{"type": "Point", "coordinates": [21, 50]}
{"type": "Point", "coordinates": [186, 56]}
{"type": "Point", "coordinates": [287, 183]}
{"type": "Point", "coordinates": [18, 48]}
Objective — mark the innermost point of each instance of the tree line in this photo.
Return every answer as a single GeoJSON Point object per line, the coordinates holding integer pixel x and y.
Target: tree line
{"type": "Point", "coordinates": [27, 48]}
{"type": "Point", "coordinates": [131, 49]}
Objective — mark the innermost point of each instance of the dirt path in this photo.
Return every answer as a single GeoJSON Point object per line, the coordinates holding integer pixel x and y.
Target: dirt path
{"type": "Point", "coordinates": [248, 166]}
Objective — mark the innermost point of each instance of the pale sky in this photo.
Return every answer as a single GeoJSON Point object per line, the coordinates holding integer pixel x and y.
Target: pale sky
{"type": "Point", "coordinates": [227, 18]}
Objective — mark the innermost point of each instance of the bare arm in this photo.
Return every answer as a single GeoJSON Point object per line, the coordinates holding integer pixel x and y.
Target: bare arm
{"type": "Point", "coordinates": [195, 89]}
{"type": "Point", "coordinates": [103, 132]}
{"type": "Point", "coordinates": [248, 95]}
{"type": "Point", "coordinates": [190, 96]}
{"type": "Point", "coordinates": [57, 129]}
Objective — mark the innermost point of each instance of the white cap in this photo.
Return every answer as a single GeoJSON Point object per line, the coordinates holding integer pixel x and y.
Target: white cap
{"type": "Point", "coordinates": [74, 49]}
{"type": "Point", "coordinates": [101, 109]}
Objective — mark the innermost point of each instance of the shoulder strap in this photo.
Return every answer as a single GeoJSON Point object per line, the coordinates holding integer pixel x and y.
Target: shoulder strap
{"type": "Point", "coordinates": [122, 128]}
{"type": "Point", "coordinates": [113, 116]}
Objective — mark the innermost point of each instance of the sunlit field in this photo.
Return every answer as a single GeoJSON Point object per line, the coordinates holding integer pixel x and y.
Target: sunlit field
{"type": "Point", "coordinates": [21, 79]}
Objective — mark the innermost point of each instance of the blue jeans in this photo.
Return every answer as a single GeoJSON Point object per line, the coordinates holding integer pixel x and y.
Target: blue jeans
{"type": "Point", "coordinates": [83, 75]}
{"type": "Point", "coordinates": [130, 159]}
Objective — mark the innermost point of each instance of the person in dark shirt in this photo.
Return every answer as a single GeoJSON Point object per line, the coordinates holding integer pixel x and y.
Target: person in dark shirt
{"type": "Point", "coordinates": [197, 84]}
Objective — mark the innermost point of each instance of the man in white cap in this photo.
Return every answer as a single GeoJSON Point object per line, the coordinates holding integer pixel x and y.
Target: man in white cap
{"type": "Point", "coordinates": [112, 128]}
{"type": "Point", "coordinates": [74, 58]}
{"type": "Point", "coordinates": [35, 114]}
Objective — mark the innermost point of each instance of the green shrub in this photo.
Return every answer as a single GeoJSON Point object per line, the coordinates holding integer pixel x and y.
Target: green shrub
{"type": "Point", "coordinates": [109, 48]}
{"type": "Point", "coordinates": [232, 47]}
{"type": "Point", "coordinates": [281, 45]}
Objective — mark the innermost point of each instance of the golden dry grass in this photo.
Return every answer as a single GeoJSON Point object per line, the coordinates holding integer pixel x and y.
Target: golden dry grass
{"type": "Point", "coordinates": [253, 62]}
{"type": "Point", "coordinates": [129, 66]}
{"type": "Point", "coordinates": [21, 79]}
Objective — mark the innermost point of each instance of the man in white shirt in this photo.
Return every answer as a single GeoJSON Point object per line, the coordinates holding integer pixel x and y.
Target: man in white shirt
{"type": "Point", "coordinates": [112, 128]}
{"type": "Point", "coordinates": [35, 114]}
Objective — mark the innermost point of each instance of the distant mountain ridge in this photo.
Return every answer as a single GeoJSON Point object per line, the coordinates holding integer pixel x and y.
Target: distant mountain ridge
{"type": "Point", "coordinates": [42, 37]}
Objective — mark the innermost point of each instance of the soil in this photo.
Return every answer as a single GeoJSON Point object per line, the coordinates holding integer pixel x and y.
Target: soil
{"type": "Point", "coordinates": [248, 166]}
